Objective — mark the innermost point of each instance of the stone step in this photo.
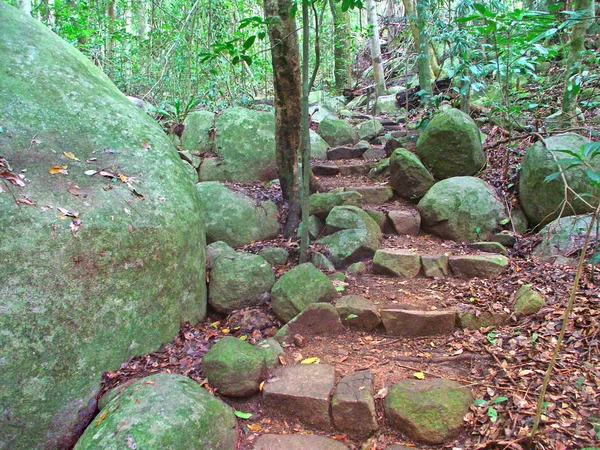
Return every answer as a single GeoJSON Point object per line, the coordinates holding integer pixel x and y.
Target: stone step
{"type": "Point", "coordinates": [297, 442]}
{"type": "Point", "coordinates": [409, 323]}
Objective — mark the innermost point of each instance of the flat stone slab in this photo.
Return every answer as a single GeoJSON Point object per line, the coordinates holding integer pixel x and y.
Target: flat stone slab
{"type": "Point", "coordinates": [374, 195]}
{"type": "Point", "coordinates": [407, 323]}
{"type": "Point", "coordinates": [297, 442]}
{"type": "Point", "coordinates": [481, 266]}
{"type": "Point", "coordinates": [489, 247]}
{"type": "Point", "coordinates": [353, 405]}
{"type": "Point", "coordinates": [345, 153]}
{"type": "Point", "coordinates": [398, 262]}
{"type": "Point", "coordinates": [473, 321]}
{"type": "Point", "coordinates": [301, 392]}
{"type": "Point", "coordinates": [435, 266]}
{"type": "Point", "coordinates": [325, 170]}
{"type": "Point", "coordinates": [358, 312]}
{"type": "Point", "coordinates": [405, 222]}
{"type": "Point", "coordinates": [317, 319]}
{"type": "Point", "coordinates": [355, 169]}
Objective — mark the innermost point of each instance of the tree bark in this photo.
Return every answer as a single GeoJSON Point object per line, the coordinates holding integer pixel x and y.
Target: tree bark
{"type": "Point", "coordinates": [576, 48]}
{"type": "Point", "coordinates": [341, 39]}
{"type": "Point", "coordinates": [25, 6]}
{"type": "Point", "coordinates": [288, 95]}
{"type": "Point", "coordinates": [423, 58]}
{"type": "Point", "coordinates": [409, 8]}
{"type": "Point", "coordinates": [375, 43]}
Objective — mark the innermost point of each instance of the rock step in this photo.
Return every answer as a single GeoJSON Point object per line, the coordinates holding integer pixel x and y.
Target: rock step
{"type": "Point", "coordinates": [404, 263]}
{"type": "Point", "coordinates": [325, 169]}
{"type": "Point", "coordinates": [303, 392]}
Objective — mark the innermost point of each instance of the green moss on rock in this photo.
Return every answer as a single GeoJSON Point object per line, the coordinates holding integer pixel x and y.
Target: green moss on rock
{"type": "Point", "coordinates": [163, 411]}
{"type": "Point", "coordinates": [72, 306]}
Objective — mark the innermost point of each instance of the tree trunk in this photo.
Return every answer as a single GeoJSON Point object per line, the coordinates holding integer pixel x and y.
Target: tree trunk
{"type": "Point", "coordinates": [25, 6]}
{"type": "Point", "coordinates": [409, 8]}
{"type": "Point", "coordinates": [423, 58]}
{"type": "Point", "coordinates": [288, 94]}
{"type": "Point", "coordinates": [375, 48]}
{"type": "Point", "coordinates": [341, 39]}
{"type": "Point", "coordinates": [576, 48]}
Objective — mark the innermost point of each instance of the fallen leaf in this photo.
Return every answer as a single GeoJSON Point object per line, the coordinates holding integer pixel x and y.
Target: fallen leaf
{"type": "Point", "coordinates": [106, 173]}
{"type": "Point", "coordinates": [225, 330]}
{"type": "Point", "coordinates": [242, 415]}
{"type": "Point", "coordinates": [146, 146]}
{"type": "Point", "coordinates": [419, 375]}
{"type": "Point", "coordinates": [261, 385]}
{"type": "Point", "coordinates": [89, 173]}
{"type": "Point", "coordinates": [282, 360]}
{"type": "Point", "coordinates": [255, 427]}
{"type": "Point", "coordinates": [12, 178]}
{"type": "Point", "coordinates": [58, 169]}
{"type": "Point", "coordinates": [313, 360]}
{"type": "Point", "coordinates": [101, 417]}
{"type": "Point", "coordinates": [127, 211]}
{"type": "Point", "coordinates": [26, 201]}
{"type": "Point", "coordinates": [67, 212]}
{"type": "Point", "coordinates": [71, 156]}
{"type": "Point", "coordinates": [382, 393]}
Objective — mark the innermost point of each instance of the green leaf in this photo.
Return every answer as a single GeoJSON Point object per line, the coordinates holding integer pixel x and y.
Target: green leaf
{"type": "Point", "coordinates": [249, 42]}
{"type": "Point", "coordinates": [499, 400]}
{"type": "Point", "coordinates": [492, 414]}
{"type": "Point", "coordinates": [351, 316]}
{"type": "Point", "coordinates": [480, 402]}
{"type": "Point", "coordinates": [552, 176]}
{"type": "Point", "coordinates": [593, 176]}
{"type": "Point", "coordinates": [340, 288]}
{"type": "Point", "coordinates": [504, 221]}
{"type": "Point", "coordinates": [242, 415]}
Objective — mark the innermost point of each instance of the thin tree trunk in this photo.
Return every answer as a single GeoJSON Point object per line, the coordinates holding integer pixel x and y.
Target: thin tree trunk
{"type": "Point", "coordinates": [378, 75]}
{"type": "Point", "coordinates": [288, 93]}
{"type": "Point", "coordinates": [576, 48]}
{"type": "Point", "coordinates": [409, 8]}
{"type": "Point", "coordinates": [110, 42]}
{"type": "Point", "coordinates": [341, 39]}
{"type": "Point", "coordinates": [25, 6]}
{"type": "Point", "coordinates": [423, 58]}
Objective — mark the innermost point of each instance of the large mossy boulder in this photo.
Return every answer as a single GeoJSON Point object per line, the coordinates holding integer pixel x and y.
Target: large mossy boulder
{"type": "Point", "coordinates": [321, 204]}
{"type": "Point", "coordinates": [462, 209]}
{"type": "Point", "coordinates": [298, 288]}
{"type": "Point", "coordinates": [239, 280]}
{"type": "Point", "coordinates": [163, 411]}
{"type": "Point", "coordinates": [96, 269]}
{"type": "Point", "coordinates": [197, 135]}
{"type": "Point", "coordinates": [564, 236]}
{"type": "Point", "coordinates": [235, 218]}
{"type": "Point", "coordinates": [338, 132]}
{"type": "Point", "coordinates": [428, 411]}
{"type": "Point", "coordinates": [408, 176]}
{"type": "Point", "coordinates": [235, 367]}
{"type": "Point", "coordinates": [541, 200]}
{"type": "Point", "coordinates": [451, 145]}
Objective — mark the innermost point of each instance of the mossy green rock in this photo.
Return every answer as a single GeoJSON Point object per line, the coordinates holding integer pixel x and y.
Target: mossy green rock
{"type": "Point", "coordinates": [541, 200]}
{"type": "Point", "coordinates": [235, 218]}
{"type": "Point", "coordinates": [321, 204]}
{"type": "Point", "coordinates": [271, 350]}
{"type": "Point", "coordinates": [338, 132]}
{"type": "Point", "coordinates": [239, 280]}
{"type": "Point", "coordinates": [408, 176]}
{"type": "Point", "coordinates": [451, 145]}
{"type": "Point", "coordinates": [369, 129]}
{"type": "Point", "coordinates": [245, 146]}
{"type": "Point", "coordinates": [528, 301]}
{"type": "Point", "coordinates": [564, 236]}
{"type": "Point", "coordinates": [428, 411]}
{"type": "Point", "coordinates": [462, 209]}
{"type": "Point", "coordinates": [275, 255]}
{"type": "Point", "coordinates": [298, 288]}
{"type": "Point", "coordinates": [72, 306]}
{"type": "Point", "coordinates": [196, 136]}
{"type": "Point", "coordinates": [235, 367]}
{"type": "Point", "coordinates": [163, 411]}
{"type": "Point", "coordinates": [356, 235]}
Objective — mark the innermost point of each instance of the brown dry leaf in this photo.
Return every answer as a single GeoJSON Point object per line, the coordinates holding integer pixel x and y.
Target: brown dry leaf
{"type": "Point", "coordinates": [12, 178]}
{"type": "Point", "coordinates": [106, 173]}
{"type": "Point", "coordinates": [381, 393]}
{"type": "Point", "coordinates": [71, 156]}
{"type": "Point", "coordinates": [255, 427]}
{"type": "Point", "coordinates": [58, 169]}
{"type": "Point", "coordinates": [73, 190]}
{"type": "Point", "coordinates": [282, 360]}
{"type": "Point", "coordinates": [26, 201]}
{"type": "Point", "coordinates": [67, 212]}
{"type": "Point", "coordinates": [101, 417]}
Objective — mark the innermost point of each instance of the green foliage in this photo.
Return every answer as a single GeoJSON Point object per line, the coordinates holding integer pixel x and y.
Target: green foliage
{"type": "Point", "coordinates": [491, 411]}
